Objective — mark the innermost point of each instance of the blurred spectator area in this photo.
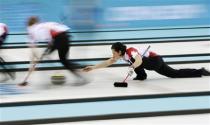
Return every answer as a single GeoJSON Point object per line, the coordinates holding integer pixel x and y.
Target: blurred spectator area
{"type": "Point", "coordinates": [111, 19]}
{"type": "Point", "coordinates": [107, 14]}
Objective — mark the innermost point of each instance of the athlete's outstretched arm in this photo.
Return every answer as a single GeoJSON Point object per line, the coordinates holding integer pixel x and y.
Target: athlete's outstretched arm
{"type": "Point", "coordinates": [100, 65]}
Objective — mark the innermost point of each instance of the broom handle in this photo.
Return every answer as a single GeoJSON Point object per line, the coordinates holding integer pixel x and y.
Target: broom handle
{"type": "Point", "coordinates": [126, 78]}
{"type": "Point", "coordinates": [33, 68]}
{"type": "Point", "coordinates": [145, 51]}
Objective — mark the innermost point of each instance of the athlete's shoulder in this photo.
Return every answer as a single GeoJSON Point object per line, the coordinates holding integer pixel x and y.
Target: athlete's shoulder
{"type": "Point", "coordinates": [3, 25]}
{"type": "Point", "coordinates": [131, 49]}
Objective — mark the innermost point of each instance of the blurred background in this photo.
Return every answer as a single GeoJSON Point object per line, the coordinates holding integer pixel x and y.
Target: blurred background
{"type": "Point", "coordinates": [86, 16]}
{"type": "Point", "coordinates": [179, 30]}
{"type": "Point", "coordinates": [107, 14]}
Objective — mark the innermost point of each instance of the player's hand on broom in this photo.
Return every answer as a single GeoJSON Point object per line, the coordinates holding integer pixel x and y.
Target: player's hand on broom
{"type": "Point", "coordinates": [130, 71]}
{"type": "Point", "coordinates": [88, 68]}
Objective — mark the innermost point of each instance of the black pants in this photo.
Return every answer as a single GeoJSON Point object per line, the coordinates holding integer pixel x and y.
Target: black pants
{"type": "Point", "coordinates": [157, 64]}
{"type": "Point", "coordinates": [3, 38]}
{"type": "Point", "coordinates": [2, 62]}
{"type": "Point", "coordinates": [61, 43]}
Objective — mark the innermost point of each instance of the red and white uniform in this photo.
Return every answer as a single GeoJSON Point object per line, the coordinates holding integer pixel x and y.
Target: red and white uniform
{"type": "Point", "coordinates": [3, 29]}
{"type": "Point", "coordinates": [132, 52]}
{"type": "Point", "coordinates": [41, 32]}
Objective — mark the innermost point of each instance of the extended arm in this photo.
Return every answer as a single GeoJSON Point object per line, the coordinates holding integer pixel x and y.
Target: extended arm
{"type": "Point", "coordinates": [100, 65]}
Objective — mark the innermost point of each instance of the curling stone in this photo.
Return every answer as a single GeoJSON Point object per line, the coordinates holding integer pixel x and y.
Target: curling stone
{"type": "Point", "coordinates": [58, 79]}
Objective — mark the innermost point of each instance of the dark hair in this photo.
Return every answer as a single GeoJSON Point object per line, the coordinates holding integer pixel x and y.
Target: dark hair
{"type": "Point", "coordinates": [32, 20]}
{"type": "Point", "coordinates": [119, 47]}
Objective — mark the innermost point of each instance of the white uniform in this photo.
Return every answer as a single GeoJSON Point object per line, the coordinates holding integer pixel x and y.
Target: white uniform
{"type": "Point", "coordinates": [3, 29]}
{"type": "Point", "coordinates": [132, 52]}
{"type": "Point", "coordinates": [43, 32]}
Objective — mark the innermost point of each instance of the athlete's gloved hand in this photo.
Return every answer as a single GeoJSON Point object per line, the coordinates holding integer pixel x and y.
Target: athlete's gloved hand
{"type": "Point", "coordinates": [49, 49]}
{"type": "Point", "coordinates": [46, 51]}
{"type": "Point", "coordinates": [130, 71]}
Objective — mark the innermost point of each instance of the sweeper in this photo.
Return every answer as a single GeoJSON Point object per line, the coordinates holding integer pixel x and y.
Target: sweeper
{"type": "Point", "coordinates": [57, 37]}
